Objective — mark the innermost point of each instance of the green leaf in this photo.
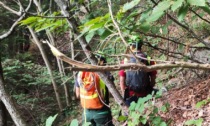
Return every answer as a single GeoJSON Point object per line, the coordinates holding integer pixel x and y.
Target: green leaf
{"type": "Point", "coordinates": [155, 17]}
{"type": "Point", "coordinates": [96, 26]}
{"type": "Point", "coordinates": [143, 119]}
{"type": "Point", "coordinates": [122, 118]}
{"type": "Point", "coordinates": [93, 21]}
{"type": "Point", "coordinates": [182, 12]}
{"type": "Point", "coordinates": [158, 11]}
{"type": "Point", "coordinates": [130, 5]}
{"type": "Point", "coordinates": [89, 36]}
{"type": "Point", "coordinates": [50, 120]}
{"type": "Point", "coordinates": [176, 5]}
{"type": "Point", "coordinates": [194, 122]}
{"type": "Point", "coordinates": [163, 108]}
{"type": "Point", "coordinates": [197, 2]}
{"type": "Point", "coordinates": [199, 45]}
{"type": "Point", "coordinates": [29, 20]}
{"type": "Point", "coordinates": [162, 6]}
{"type": "Point", "coordinates": [156, 121]}
{"type": "Point", "coordinates": [74, 122]}
{"type": "Point", "coordinates": [206, 9]}
{"type": "Point", "coordinates": [165, 29]}
{"type": "Point", "coordinates": [132, 106]}
{"type": "Point", "coordinates": [145, 27]}
{"type": "Point", "coordinates": [163, 124]}
{"type": "Point", "coordinates": [105, 34]}
{"type": "Point", "coordinates": [201, 103]}
{"type": "Point", "coordinates": [145, 15]}
{"type": "Point", "coordinates": [100, 31]}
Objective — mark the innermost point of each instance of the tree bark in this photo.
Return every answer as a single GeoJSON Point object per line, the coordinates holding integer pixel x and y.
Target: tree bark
{"type": "Point", "coordinates": [9, 104]}
{"type": "Point", "coordinates": [55, 87]}
{"type": "Point", "coordinates": [73, 24]}
{"type": "Point", "coordinates": [61, 70]}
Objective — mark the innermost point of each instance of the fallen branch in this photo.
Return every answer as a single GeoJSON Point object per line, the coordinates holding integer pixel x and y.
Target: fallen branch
{"type": "Point", "coordinates": [79, 66]}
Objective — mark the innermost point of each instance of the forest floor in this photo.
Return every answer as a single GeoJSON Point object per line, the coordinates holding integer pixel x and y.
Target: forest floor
{"type": "Point", "coordinates": [190, 102]}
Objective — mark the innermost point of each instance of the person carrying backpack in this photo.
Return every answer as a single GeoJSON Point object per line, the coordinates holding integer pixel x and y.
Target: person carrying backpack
{"type": "Point", "coordinates": [139, 83]}
{"type": "Point", "coordinates": [94, 97]}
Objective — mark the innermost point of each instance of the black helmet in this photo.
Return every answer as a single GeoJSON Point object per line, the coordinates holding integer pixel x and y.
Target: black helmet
{"type": "Point", "coordinates": [101, 57]}
{"type": "Point", "coordinates": [136, 41]}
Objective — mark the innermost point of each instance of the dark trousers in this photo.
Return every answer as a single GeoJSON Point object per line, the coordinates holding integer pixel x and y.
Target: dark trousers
{"type": "Point", "coordinates": [98, 117]}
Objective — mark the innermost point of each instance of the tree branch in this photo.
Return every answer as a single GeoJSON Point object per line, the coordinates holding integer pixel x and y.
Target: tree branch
{"type": "Point", "coordinates": [15, 24]}
{"type": "Point", "coordinates": [186, 28]}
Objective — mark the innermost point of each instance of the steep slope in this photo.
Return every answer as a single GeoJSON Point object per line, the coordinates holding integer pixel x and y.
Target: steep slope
{"type": "Point", "coordinates": [183, 103]}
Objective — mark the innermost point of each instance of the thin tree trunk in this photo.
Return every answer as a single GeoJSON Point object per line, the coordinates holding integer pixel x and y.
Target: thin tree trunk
{"type": "Point", "coordinates": [72, 56]}
{"type": "Point", "coordinates": [40, 46]}
{"type": "Point", "coordinates": [61, 70]}
{"type": "Point", "coordinates": [66, 89]}
{"type": "Point", "coordinates": [8, 103]}
{"type": "Point", "coordinates": [3, 110]}
{"type": "Point", "coordinates": [73, 24]}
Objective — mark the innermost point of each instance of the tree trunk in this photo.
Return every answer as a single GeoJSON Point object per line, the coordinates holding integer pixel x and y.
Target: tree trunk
{"type": "Point", "coordinates": [3, 114]}
{"type": "Point", "coordinates": [8, 103]}
{"type": "Point", "coordinates": [73, 24]}
{"type": "Point", "coordinates": [61, 70]}
{"type": "Point", "coordinates": [58, 61]}
{"type": "Point", "coordinates": [39, 44]}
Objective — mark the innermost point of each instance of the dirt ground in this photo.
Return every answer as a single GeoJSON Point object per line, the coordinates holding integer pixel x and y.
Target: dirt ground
{"type": "Point", "coordinates": [183, 103]}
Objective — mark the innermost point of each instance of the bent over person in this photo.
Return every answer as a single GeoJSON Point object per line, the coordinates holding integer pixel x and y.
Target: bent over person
{"type": "Point", "coordinates": [94, 99]}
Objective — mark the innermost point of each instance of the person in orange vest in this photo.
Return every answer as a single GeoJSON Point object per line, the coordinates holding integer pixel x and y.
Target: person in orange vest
{"type": "Point", "coordinates": [94, 98]}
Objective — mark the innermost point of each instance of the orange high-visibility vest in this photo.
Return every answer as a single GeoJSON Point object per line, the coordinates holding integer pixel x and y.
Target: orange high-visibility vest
{"type": "Point", "coordinates": [90, 90]}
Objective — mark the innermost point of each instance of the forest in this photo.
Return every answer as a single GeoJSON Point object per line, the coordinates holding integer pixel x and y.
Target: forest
{"type": "Point", "coordinates": [45, 43]}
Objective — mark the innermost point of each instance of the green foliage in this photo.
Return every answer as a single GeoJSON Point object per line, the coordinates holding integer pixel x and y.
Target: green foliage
{"type": "Point", "coordinates": [50, 120]}
{"type": "Point", "coordinates": [197, 2]}
{"type": "Point", "coordinates": [182, 12]}
{"type": "Point", "coordinates": [197, 122]}
{"type": "Point", "coordinates": [159, 10]}
{"type": "Point", "coordinates": [144, 111]}
{"type": "Point", "coordinates": [130, 5]}
{"type": "Point", "coordinates": [202, 103]}
{"type": "Point", "coordinates": [177, 4]}
{"type": "Point", "coordinates": [74, 122]}
{"type": "Point", "coordinates": [40, 23]}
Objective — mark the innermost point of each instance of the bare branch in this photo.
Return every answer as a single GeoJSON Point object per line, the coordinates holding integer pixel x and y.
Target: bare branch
{"type": "Point", "coordinates": [133, 66]}
{"type": "Point", "coordinates": [187, 28]}
{"type": "Point", "coordinates": [88, 67]}
{"type": "Point", "coordinates": [10, 9]}
{"type": "Point", "coordinates": [16, 23]}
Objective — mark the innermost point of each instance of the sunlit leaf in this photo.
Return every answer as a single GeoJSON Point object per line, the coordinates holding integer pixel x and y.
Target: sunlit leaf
{"type": "Point", "coordinates": [162, 6]}
{"type": "Point", "coordinates": [122, 118]}
{"type": "Point", "coordinates": [29, 20]}
{"type": "Point", "coordinates": [197, 122]}
{"type": "Point", "coordinates": [155, 17]}
{"type": "Point", "coordinates": [132, 106]}
{"type": "Point", "coordinates": [50, 120]}
{"type": "Point", "coordinates": [163, 124]}
{"type": "Point", "coordinates": [176, 4]}
{"type": "Point", "coordinates": [197, 2]}
{"type": "Point", "coordinates": [130, 5]}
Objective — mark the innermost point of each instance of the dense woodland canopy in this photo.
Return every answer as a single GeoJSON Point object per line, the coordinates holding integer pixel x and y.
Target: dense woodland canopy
{"type": "Point", "coordinates": [44, 43]}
